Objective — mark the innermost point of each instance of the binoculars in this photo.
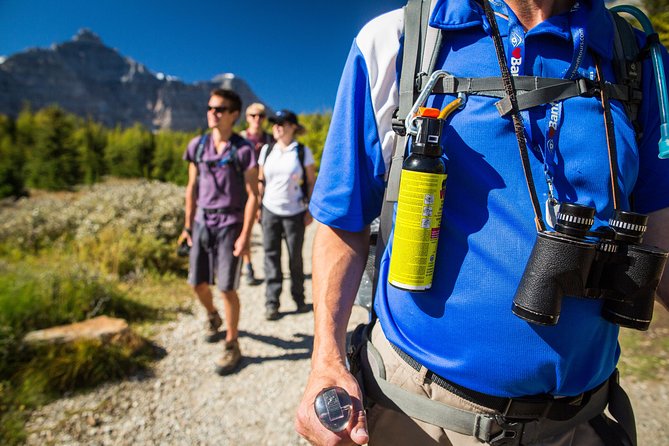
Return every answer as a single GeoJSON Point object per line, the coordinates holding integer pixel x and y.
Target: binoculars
{"type": "Point", "coordinates": [610, 264]}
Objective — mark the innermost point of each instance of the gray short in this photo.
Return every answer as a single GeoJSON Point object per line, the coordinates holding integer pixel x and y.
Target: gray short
{"type": "Point", "coordinates": [211, 259]}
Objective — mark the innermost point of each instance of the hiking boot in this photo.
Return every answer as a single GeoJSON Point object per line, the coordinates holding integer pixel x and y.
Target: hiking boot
{"type": "Point", "coordinates": [271, 313]}
{"type": "Point", "coordinates": [214, 322]}
{"type": "Point", "coordinates": [231, 358]}
{"type": "Point", "coordinates": [302, 307]}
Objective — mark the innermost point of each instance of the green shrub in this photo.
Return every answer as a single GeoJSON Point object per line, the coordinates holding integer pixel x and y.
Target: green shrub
{"type": "Point", "coordinates": [120, 252]}
{"type": "Point", "coordinates": [147, 210]}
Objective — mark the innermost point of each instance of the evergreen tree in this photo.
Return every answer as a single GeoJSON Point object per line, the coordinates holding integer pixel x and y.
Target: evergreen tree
{"type": "Point", "coordinates": [91, 140]}
{"type": "Point", "coordinates": [52, 161]}
{"type": "Point", "coordinates": [658, 12]}
{"type": "Point", "coordinates": [12, 181]}
{"type": "Point", "coordinates": [129, 153]}
{"type": "Point", "coordinates": [168, 163]}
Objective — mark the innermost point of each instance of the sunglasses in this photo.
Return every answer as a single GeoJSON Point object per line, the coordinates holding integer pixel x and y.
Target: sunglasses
{"type": "Point", "coordinates": [217, 109]}
{"type": "Point", "coordinates": [256, 115]}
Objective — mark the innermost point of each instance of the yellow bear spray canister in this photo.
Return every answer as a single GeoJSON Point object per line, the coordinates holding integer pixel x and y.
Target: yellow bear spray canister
{"type": "Point", "coordinates": [419, 207]}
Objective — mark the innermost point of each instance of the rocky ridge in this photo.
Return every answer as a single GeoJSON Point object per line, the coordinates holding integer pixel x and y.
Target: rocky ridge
{"type": "Point", "coordinates": [87, 78]}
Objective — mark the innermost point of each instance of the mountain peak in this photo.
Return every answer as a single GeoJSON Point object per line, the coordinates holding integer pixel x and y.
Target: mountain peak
{"type": "Point", "coordinates": [86, 35]}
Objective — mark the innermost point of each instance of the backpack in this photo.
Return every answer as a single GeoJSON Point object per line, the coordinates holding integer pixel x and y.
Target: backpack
{"type": "Point", "coordinates": [300, 157]}
{"type": "Point", "coordinates": [424, 42]}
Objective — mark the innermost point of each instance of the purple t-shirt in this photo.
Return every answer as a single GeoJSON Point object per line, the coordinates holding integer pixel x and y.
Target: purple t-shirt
{"type": "Point", "coordinates": [219, 185]}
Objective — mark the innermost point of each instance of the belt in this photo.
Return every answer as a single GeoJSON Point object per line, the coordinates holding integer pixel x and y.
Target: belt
{"type": "Point", "coordinates": [519, 408]}
{"type": "Point", "coordinates": [520, 422]}
{"type": "Point", "coordinates": [223, 210]}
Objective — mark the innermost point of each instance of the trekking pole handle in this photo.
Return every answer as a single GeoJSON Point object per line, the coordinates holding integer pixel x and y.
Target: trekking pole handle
{"type": "Point", "coordinates": [333, 407]}
{"type": "Point", "coordinates": [410, 120]}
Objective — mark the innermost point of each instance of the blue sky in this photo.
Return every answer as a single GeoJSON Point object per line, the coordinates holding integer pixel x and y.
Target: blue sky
{"type": "Point", "coordinates": [290, 52]}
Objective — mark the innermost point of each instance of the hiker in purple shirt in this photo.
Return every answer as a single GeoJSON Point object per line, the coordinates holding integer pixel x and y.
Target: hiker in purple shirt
{"type": "Point", "coordinates": [221, 204]}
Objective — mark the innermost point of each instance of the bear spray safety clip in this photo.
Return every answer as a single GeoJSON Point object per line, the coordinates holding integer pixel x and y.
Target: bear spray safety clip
{"type": "Point", "coordinates": [421, 197]}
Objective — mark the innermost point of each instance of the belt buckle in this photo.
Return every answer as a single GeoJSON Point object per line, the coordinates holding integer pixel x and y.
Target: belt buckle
{"type": "Point", "coordinates": [510, 435]}
{"type": "Point", "coordinates": [510, 414]}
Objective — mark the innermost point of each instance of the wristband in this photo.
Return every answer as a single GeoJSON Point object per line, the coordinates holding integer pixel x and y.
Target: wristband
{"type": "Point", "coordinates": [188, 231]}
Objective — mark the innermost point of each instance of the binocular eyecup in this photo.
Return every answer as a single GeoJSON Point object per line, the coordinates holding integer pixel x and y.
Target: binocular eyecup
{"type": "Point", "coordinates": [610, 264]}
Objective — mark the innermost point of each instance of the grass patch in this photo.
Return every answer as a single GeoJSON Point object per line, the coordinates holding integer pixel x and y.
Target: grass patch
{"type": "Point", "coordinates": [645, 354]}
{"type": "Point", "coordinates": [39, 293]}
{"type": "Point", "coordinates": [47, 372]}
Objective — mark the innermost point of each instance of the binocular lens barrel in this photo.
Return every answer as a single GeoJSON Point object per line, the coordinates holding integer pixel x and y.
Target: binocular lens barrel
{"type": "Point", "coordinates": [574, 219]}
{"type": "Point", "coordinates": [628, 226]}
{"type": "Point", "coordinates": [637, 287]}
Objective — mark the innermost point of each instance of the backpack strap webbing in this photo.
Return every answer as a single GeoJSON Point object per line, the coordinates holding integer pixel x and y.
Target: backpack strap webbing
{"type": "Point", "coordinates": [627, 66]}
{"type": "Point", "coordinates": [419, 41]}
{"type": "Point", "coordinates": [303, 184]}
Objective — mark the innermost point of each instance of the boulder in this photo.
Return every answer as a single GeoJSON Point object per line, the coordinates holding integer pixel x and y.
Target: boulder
{"type": "Point", "coordinates": [106, 329]}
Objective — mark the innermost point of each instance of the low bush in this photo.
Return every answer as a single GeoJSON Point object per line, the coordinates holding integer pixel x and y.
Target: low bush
{"type": "Point", "coordinates": [147, 214]}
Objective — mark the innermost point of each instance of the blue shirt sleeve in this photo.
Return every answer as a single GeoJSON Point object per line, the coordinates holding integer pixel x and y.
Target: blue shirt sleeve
{"type": "Point", "coordinates": [349, 190]}
{"type": "Point", "coordinates": [650, 192]}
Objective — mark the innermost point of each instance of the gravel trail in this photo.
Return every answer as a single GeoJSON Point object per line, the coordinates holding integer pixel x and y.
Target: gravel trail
{"type": "Point", "coordinates": [184, 402]}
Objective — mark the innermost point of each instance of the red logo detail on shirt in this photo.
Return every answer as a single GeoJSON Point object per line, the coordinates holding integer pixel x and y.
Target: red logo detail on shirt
{"type": "Point", "coordinates": [516, 61]}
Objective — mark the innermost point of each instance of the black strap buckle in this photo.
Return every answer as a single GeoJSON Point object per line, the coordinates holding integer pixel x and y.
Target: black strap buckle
{"type": "Point", "coordinates": [510, 434]}
{"type": "Point", "coordinates": [398, 124]}
{"type": "Point", "coordinates": [588, 88]}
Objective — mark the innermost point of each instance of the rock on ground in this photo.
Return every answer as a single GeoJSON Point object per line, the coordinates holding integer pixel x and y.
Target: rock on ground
{"type": "Point", "coordinates": [185, 403]}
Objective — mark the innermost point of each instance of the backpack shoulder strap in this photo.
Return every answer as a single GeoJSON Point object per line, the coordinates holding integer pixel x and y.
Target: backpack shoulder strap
{"type": "Point", "coordinates": [270, 147]}
{"type": "Point", "coordinates": [419, 41]}
{"type": "Point", "coordinates": [200, 148]}
{"type": "Point", "coordinates": [627, 66]}
{"type": "Point", "coordinates": [300, 157]}
{"type": "Point", "coordinates": [236, 141]}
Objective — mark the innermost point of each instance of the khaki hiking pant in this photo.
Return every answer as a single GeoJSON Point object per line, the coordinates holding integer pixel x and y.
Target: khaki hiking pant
{"type": "Point", "coordinates": [388, 427]}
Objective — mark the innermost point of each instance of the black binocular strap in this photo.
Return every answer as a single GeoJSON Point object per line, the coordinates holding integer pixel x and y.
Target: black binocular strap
{"type": "Point", "coordinates": [604, 90]}
{"type": "Point", "coordinates": [610, 135]}
{"type": "Point", "coordinates": [518, 125]}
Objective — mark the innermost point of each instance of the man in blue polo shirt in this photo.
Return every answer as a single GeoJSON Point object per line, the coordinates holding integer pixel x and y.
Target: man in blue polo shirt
{"type": "Point", "coordinates": [459, 343]}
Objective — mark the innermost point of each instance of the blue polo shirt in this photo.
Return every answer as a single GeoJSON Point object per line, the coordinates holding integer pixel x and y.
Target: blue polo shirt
{"type": "Point", "coordinates": [463, 328]}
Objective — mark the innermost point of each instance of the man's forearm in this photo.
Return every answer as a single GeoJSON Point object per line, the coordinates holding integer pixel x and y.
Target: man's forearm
{"type": "Point", "coordinates": [189, 208]}
{"type": "Point", "coordinates": [250, 210]}
{"type": "Point", "coordinates": [338, 262]}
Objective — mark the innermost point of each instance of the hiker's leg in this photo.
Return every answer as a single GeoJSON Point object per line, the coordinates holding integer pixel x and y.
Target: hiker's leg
{"type": "Point", "coordinates": [231, 309]}
{"type": "Point", "coordinates": [293, 227]}
{"type": "Point", "coordinates": [204, 295]}
{"type": "Point", "coordinates": [272, 231]}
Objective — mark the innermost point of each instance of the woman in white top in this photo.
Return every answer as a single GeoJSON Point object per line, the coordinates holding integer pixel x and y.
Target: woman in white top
{"type": "Point", "coordinates": [287, 176]}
